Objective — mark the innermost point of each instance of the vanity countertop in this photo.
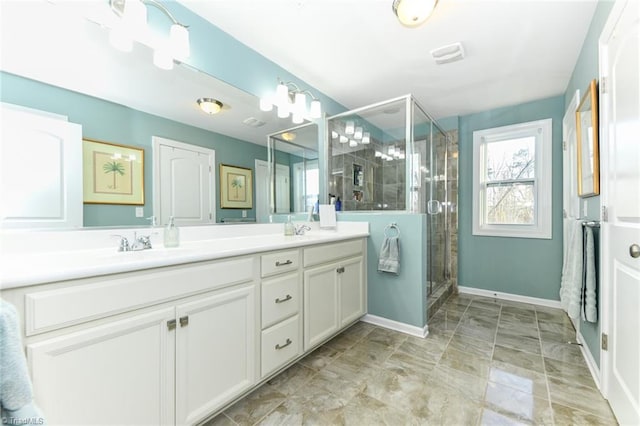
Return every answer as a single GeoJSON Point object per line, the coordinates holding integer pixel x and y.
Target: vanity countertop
{"type": "Point", "coordinates": [20, 267]}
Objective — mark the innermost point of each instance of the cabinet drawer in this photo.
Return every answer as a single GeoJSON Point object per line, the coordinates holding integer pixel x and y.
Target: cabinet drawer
{"type": "Point", "coordinates": [100, 297]}
{"type": "Point", "coordinates": [280, 298]}
{"type": "Point", "coordinates": [280, 344]}
{"type": "Point", "coordinates": [282, 261]}
{"type": "Point", "coordinates": [330, 252]}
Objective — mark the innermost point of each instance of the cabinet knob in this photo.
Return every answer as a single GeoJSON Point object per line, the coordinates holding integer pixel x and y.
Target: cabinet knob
{"type": "Point", "coordinates": [279, 346]}
{"type": "Point", "coordinates": [184, 321]}
{"type": "Point", "coordinates": [171, 324]}
{"type": "Point", "coordinates": [288, 297]}
{"type": "Point", "coordinates": [287, 262]}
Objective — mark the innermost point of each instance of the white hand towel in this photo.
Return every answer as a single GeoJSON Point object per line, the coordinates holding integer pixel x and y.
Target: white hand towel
{"type": "Point", "coordinates": [389, 259]}
{"type": "Point", "coordinates": [327, 216]}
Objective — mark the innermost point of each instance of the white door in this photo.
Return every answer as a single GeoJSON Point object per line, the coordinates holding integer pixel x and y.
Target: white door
{"type": "Point", "coordinates": [262, 191]}
{"type": "Point", "coordinates": [215, 352]}
{"type": "Point", "coordinates": [40, 170]}
{"type": "Point", "coordinates": [184, 182]}
{"type": "Point", "coordinates": [122, 372]}
{"type": "Point", "coordinates": [283, 185]}
{"type": "Point", "coordinates": [620, 112]}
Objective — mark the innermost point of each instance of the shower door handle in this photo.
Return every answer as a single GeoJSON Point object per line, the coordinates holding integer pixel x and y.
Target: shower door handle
{"type": "Point", "coordinates": [433, 207]}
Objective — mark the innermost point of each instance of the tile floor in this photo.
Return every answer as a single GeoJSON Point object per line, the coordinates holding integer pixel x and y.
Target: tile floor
{"type": "Point", "coordinates": [485, 362]}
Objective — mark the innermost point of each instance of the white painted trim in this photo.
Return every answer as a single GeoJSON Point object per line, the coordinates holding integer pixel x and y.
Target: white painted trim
{"type": "Point", "coordinates": [542, 130]}
{"type": "Point", "coordinates": [588, 358]}
{"type": "Point", "coordinates": [509, 296]}
{"type": "Point", "coordinates": [397, 326]}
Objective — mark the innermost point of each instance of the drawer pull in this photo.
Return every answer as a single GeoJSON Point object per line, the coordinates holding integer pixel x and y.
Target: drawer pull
{"type": "Point", "coordinates": [288, 262]}
{"type": "Point", "coordinates": [184, 321]}
{"type": "Point", "coordinates": [278, 300]}
{"type": "Point", "coordinates": [278, 346]}
{"type": "Point", "coordinates": [171, 324]}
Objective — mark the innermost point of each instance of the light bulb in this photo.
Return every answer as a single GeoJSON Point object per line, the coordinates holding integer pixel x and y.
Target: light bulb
{"type": "Point", "coordinates": [334, 134]}
{"type": "Point", "coordinates": [299, 104]}
{"type": "Point", "coordinates": [315, 110]}
{"type": "Point", "coordinates": [353, 143]}
{"type": "Point", "coordinates": [349, 128]}
{"type": "Point", "coordinates": [358, 133]}
{"type": "Point", "coordinates": [179, 41]}
{"type": "Point", "coordinates": [344, 139]}
{"type": "Point", "coordinates": [283, 111]}
{"type": "Point", "coordinates": [282, 95]}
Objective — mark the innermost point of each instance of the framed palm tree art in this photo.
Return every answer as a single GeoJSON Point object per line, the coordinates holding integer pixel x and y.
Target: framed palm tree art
{"type": "Point", "coordinates": [236, 187]}
{"type": "Point", "coordinates": [112, 173]}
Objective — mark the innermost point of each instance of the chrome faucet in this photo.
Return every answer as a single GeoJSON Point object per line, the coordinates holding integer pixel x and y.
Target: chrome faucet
{"type": "Point", "coordinates": [300, 229]}
{"type": "Point", "coordinates": [139, 243]}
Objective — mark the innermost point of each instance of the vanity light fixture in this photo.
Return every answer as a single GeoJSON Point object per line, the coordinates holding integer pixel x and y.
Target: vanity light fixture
{"type": "Point", "coordinates": [412, 13]}
{"type": "Point", "coordinates": [132, 25]}
{"type": "Point", "coordinates": [209, 105]}
{"type": "Point", "coordinates": [289, 99]}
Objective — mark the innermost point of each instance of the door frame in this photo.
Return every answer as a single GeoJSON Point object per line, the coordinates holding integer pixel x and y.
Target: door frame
{"type": "Point", "coordinates": [159, 140]}
{"type": "Point", "coordinates": [604, 116]}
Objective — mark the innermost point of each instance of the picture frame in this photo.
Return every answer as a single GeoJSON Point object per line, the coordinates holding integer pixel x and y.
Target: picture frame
{"type": "Point", "coordinates": [587, 136]}
{"type": "Point", "coordinates": [236, 187]}
{"type": "Point", "coordinates": [112, 173]}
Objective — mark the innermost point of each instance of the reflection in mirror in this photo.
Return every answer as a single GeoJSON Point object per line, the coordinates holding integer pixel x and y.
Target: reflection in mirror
{"type": "Point", "coordinates": [587, 133]}
{"type": "Point", "coordinates": [122, 97]}
{"type": "Point", "coordinates": [294, 170]}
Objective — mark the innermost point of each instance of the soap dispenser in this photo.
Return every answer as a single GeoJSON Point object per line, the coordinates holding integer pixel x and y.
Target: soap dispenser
{"type": "Point", "coordinates": [171, 234]}
{"type": "Point", "coordinates": [289, 229]}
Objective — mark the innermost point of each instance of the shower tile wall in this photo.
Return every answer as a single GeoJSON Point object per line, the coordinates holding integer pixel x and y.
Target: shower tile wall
{"type": "Point", "coordinates": [383, 185]}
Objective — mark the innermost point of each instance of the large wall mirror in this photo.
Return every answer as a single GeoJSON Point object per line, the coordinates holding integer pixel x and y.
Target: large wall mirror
{"type": "Point", "coordinates": [123, 98]}
{"type": "Point", "coordinates": [294, 170]}
{"type": "Point", "coordinates": [587, 133]}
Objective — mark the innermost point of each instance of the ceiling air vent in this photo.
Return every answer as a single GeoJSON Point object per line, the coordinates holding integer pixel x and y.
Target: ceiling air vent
{"type": "Point", "coordinates": [253, 122]}
{"type": "Point", "coordinates": [449, 53]}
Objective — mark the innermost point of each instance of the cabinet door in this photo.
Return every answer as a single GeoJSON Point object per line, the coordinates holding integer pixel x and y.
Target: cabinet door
{"type": "Point", "coordinates": [108, 374]}
{"type": "Point", "coordinates": [320, 304]}
{"type": "Point", "coordinates": [352, 294]}
{"type": "Point", "coordinates": [215, 351]}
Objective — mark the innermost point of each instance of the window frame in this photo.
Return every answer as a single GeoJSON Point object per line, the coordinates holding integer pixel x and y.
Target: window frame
{"type": "Point", "coordinates": [541, 130]}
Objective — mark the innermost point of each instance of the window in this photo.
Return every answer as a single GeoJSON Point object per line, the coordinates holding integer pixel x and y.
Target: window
{"type": "Point", "coordinates": [512, 180]}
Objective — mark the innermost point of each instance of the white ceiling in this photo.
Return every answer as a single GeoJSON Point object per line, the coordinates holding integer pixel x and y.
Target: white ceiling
{"type": "Point", "coordinates": [356, 52]}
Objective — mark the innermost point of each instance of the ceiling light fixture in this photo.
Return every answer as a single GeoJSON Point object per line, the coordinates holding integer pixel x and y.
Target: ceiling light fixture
{"type": "Point", "coordinates": [209, 105]}
{"type": "Point", "coordinates": [288, 136]}
{"type": "Point", "coordinates": [289, 99]}
{"type": "Point", "coordinates": [412, 13]}
{"type": "Point", "coordinates": [132, 25]}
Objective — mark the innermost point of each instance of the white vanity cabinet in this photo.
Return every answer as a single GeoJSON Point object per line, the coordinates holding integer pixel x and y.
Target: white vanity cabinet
{"type": "Point", "coordinates": [281, 287]}
{"type": "Point", "coordinates": [334, 289]}
{"type": "Point", "coordinates": [173, 362]}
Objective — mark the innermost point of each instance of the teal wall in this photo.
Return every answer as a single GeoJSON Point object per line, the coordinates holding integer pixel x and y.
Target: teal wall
{"type": "Point", "coordinates": [110, 122]}
{"type": "Point", "coordinates": [586, 69]}
{"type": "Point", "coordinates": [399, 298]}
{"type": "Point", "coordinates": [523, 266]}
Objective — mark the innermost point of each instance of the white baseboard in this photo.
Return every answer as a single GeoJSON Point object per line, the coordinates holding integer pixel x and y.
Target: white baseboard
{"type": "Point", "coordinates": [588, 358]}
{"type": "Point", "coordinates": [397, 326]}
{"type": "Point", "coordinates": [509, 296]}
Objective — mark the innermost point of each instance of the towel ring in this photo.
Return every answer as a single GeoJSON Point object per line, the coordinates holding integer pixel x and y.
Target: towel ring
{"type": "Point", "coordinates": [389, 227]}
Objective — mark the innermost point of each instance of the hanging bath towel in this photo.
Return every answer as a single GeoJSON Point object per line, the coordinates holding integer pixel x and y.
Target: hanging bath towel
{"type": "Point", "coordinates": [389, 259]}
{"type": "Point", "coordinates": [590, 310]}
{"type": "Point", "coordinates": [571, 286]}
